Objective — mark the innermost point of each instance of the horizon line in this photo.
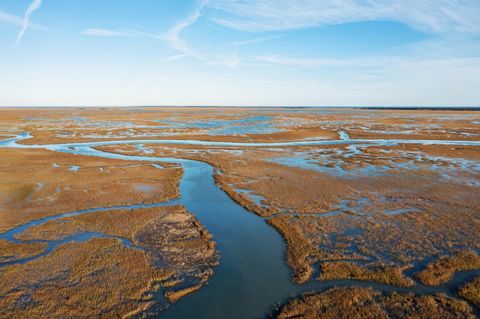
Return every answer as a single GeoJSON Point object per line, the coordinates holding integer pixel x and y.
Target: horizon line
{"type": "Point", "coordinates": [253, 106]}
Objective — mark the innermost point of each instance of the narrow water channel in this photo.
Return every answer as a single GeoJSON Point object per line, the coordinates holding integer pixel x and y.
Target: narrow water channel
{"type": "Point", "coordinates": [252, 276]}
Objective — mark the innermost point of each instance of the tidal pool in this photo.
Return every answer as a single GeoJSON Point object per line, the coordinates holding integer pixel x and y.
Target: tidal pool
{"type": "Point", "coordinates": [258, 124]}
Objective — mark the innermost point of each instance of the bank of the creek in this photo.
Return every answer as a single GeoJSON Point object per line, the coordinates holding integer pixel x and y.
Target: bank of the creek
{"type": "Point", "coordinates": [252, 277]}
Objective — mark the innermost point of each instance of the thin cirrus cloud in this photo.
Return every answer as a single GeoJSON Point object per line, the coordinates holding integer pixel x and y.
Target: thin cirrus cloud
{"type": "Point", "coordinates": [172, 38]}
{"type": "Point", "coordinates": [437, 17]}
{"type": "Point", "coordinates": [304, 62]}
{"type": "Point", "coordinates": [17, 21]}
{"type": "Point", "coordinates": [99, 32]}
{"type": "Point", "coordinates": [34, 6]}
{"type": "Point", "coordinates": [10, 19]}
{"type": "Point", "coordinates": [437, 49]}
{"type": "Point", "coordinates": [431, 16]}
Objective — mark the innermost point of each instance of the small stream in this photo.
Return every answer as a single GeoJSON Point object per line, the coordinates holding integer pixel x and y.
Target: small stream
{"type": "Point", "coordinates": [252, 277]}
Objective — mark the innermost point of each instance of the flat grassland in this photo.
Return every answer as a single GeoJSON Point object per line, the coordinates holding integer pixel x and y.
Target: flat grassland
{"type": "Point", "coordinates": [38, 183]}
{"type": "Point", "coordinates": [81, 280]}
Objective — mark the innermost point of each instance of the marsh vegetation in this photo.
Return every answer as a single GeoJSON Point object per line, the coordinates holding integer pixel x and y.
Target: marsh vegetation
{"type": "Point", "coordinates": [390, 210]}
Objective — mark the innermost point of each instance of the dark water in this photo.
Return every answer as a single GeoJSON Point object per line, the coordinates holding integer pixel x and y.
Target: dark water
{"type": "Point", "coordinates": [252, 275]}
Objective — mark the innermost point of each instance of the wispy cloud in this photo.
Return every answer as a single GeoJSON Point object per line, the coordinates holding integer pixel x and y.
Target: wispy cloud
{"type": "Point", "coordinates": [227, 55]}
{"type": "Point", "coordinates": [10, 19]}
{"type": "Point", "coordinates": [110, 33]}
{"type": "Point", "coordinates": [35, 5]}
{"type": "Point", "coordinates": [303, 62]}
{"type": "Point", "coordinates": [424, 52]}
{"type": "Point", "coordinates": [17, 21]}
{"type": "Point", "coordinates": [98, 32]}
{"type": "Point", "coordinates": [175, 57]}
{"type": "Point", "coordinates": [231, 57]}
{"type": "Point", "coordinates": [173, 36]}
{"type": "Point", "coordinates": [432, 16]}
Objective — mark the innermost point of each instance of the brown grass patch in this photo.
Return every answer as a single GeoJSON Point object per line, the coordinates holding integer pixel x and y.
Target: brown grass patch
{"type": "Point", "coordinates": [385, 274]}
{"type": "Point", "coordinates": [442, 270]}
{"type": "Point", "coordinates": [10, 252]}
{"type": "Point", "coordinates": [171, 236]}
{"type": "Point", "coordinates": [471, 291]}
{"type": "Point", "coordinates": [98, 278]}
{"type": "Point", "coordinates": [38, 183]}
{"type": "Point", "coordinates": [299, 250]}
{"type": "Point", "coordinates": [174, 296]}
{"type": "Point", "coordinates": [357, 303]}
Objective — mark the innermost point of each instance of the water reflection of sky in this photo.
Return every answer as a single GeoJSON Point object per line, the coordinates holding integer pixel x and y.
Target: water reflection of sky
{"type": "Point", "coordinates": [258, 124]}
{"type": "Point", "coordinates": [449, 168]}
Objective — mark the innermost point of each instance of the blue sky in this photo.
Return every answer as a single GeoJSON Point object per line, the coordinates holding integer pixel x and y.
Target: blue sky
{"type": "Point", "coordinates": [240, 52]}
